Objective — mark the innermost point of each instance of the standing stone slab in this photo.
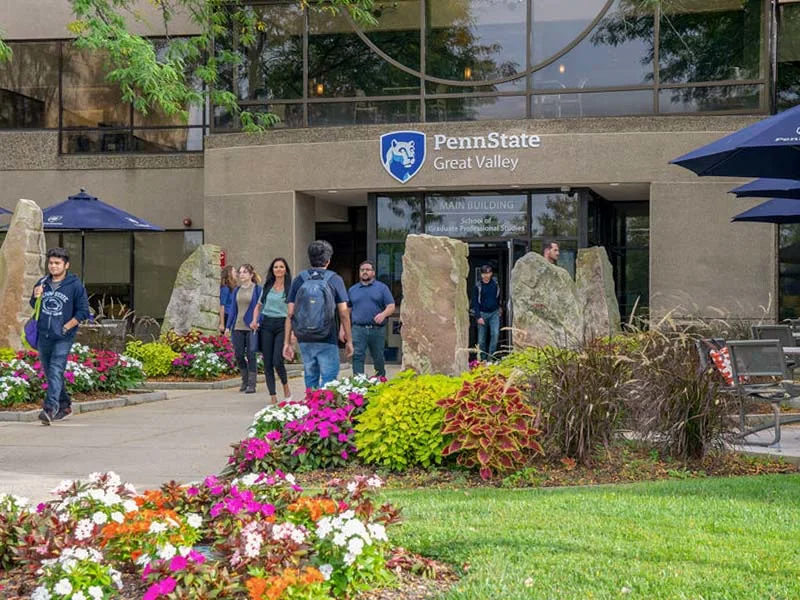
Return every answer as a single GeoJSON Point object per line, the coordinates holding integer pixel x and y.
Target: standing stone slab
{"type": "Point", "coordinates": [547, 310]}
{"type": "Point", "coordinates": [22, 263]}
{"type": "Point", "coordinates": [194, 303]}
{"type": "Point", "coordinates": [435, 310]}
{"type": "Point", "coordinates": [595, 280]}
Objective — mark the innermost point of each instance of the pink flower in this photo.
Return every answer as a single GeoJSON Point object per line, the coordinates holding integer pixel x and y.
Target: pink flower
{"type": "Point", "coordinates": [45, 386]}
{"type": "Point", "coordinates": [178, 563]}
{"type": "Point", "coordinates": [192, 491]}
{"type": "Point", "coordinates": [197, 557]}
{"type": "Point", "coordinates": [344, 454]}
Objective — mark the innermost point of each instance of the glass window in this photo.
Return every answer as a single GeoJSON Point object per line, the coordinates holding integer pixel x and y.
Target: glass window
{"type": "Point", "coordinates": [341, 65]}
{"type": "Point", "coordinates": [592, 104]}
{"type": "Point", "coordinates": [710, 41]}
{"type": "Point", "coordinates": [710, 99]}
{"type": "Point", "coordinates": [476, 40]}
{"type": "Point", "coordinates": [389, 269]}
{"type": "Point", "coordinates": [363, 112]}
{"type": "Point", "coordinates": [168, 140]}
{"type": "Point", "coordinates": [788, 79]}
{"type": "Point", "coordinates": [476, 215]}
{"type": "Point", "coordinates": [87, 99]}
{"type": "Point", "coordinates": [475, 109]}
{"type": "Point", "coordinates": [107, 273]}
{"type": "Point", "coordinates": [290, 116]}
{"type": "Point", "coordinates": [554, 214]}
{"type": "Point", "coordinates": [398, 216]}
{"type": "Point", "coordinates": [157, 258]}
{"type": "Point", "coordinates": [29, 87]}
{"type": "Point", "coordinates": [619, 51]}
{"type": "Point", "coordinates": [397, 31]}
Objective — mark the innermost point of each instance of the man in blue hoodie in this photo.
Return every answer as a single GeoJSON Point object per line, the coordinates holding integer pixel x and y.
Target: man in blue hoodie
{"type": "Point", "coordinates": [64, 305]}
{"type": "Point", "coordinates": [486, 308]}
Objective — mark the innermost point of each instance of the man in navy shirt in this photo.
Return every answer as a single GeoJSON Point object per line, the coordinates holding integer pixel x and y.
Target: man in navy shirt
{"type": "Point", "coordinates": [486, 307]}
{"type": "Point", "coordinates": [320, 357]}
{"type": "Point", "coordinates": [371, 303]}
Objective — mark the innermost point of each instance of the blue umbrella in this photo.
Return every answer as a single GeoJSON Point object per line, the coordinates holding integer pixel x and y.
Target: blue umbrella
{"type": "Point", "coordinates": [769, 148]}
{"type": "Point", "coordinates": [777, 210]}
{"type": "Point", "coordinates": [84, 212]}
{"type": "Point", "coordinates": [769, 188]}
{"type": "Point", "coordinates": [5, 211]}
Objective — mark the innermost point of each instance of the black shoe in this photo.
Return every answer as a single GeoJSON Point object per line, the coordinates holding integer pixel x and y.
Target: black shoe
{"type": "Point", "coordinates": [46, 417]}
{"type": "Point", "coordinates": [63, 413]}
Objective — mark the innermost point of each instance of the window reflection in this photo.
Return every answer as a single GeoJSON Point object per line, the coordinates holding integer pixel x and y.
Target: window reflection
{"type": "Point", "coordinates": [398, 216]}
{"type": "Point", "coordinates": [363, 112]}
{"type": "Point", "coordinates": [554, 215]}
{"type": "Point", "coordinates": [87, 99]}
{"type": "Point", "coordinates": [29, 87]}
{"type": "Point", "coordinates": [788, 76]}
{"type": "Point", "coordinates": [389, 269]}
{"type": "Point", "coordinates": [475, 109]}
{"type": "Point", "coordinates": [708, 99]}
{"type": "Point", "coordinates": [592, 104]}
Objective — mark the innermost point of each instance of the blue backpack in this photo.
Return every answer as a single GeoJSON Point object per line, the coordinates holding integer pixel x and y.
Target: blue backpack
{"type": "Point", "coordinates": [314, 307]}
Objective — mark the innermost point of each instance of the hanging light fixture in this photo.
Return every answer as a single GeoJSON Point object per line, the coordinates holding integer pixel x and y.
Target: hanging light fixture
{"type": "Point", "coordinates": [467, 73]}
{"type": "Point", "coordinates": [319, 89]}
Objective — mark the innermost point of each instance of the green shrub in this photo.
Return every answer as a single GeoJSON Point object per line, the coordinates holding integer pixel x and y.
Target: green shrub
{"type": "Point", "coordinates": [7, 354]}
{"type": "Point", "coordinates": [156, 357]}
{"type": "Point", "coordinates": [529, 360]}
{"type": "Point", "coordinates": [402, 424]}
{"type": "Point", "coordinates": [492, 427]}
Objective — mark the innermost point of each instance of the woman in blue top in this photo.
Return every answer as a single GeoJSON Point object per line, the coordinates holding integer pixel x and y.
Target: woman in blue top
{"type": "Point", "coordinates": [272, 308]}
{"type": "Point", "coordinates": [243, 323]}
{"type": "Point", "coordinates": [227, 283]}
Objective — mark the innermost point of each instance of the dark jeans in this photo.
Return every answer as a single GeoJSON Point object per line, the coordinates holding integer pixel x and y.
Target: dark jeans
{"type": "Point", "coordinates": [245, 356]}
{"type": "Point", "coordinates": [373, 338]}
{"type": "Point", "coordinates": [491, 322]}
{"type": "Point", "coordinates": [53, 355]}
{"type": "Point", "coordinates": [271, 331]}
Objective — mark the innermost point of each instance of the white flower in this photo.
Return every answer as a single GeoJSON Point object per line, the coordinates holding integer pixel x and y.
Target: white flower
{"type": "Point", "coordinates": [40, 593]}
{"type": "Point", "coordinates": [79, 596]}
{"type": "Point", "coordinates": [113, 480]}
{"type": "Point", "coordinates": [349, 558]}
{"type": "Point", "coordinates": [117, 517]}
{"type": "Point", "coordinates": [96, 592]}
{"type": "Point", "coordinates": [290, 478]}
{"type": "Point", "coordinates": [69, 564]}
{"type": "Point", "coordinates": [348, 514]}
{"type": "Point", "coordinates": [167, 551]}
{"type": "Point", "coordinates": [116, 577]}
{"type": "Point", "coordinates": [63, 587]}
{"type": "Point", "coordinates": [156, 527]}
{"type": "Point", "coordinates": [378, 532]}
{"type": "Point", "coordinates": [130, 489]}
{"type": "Point", "coordinates": [111, 499]}
{"type": "Point", "coordinates": [248, 479]}
{"type": "Point", "coordinates": [81, 553]}
{"type": "Point", "coordinates": [326, 571]}
{"type": "Point", "coordinates": [184, 550]}
{"type": "Point", "coordinates": [355, 546]}
{"type": "Point", "coordinates": [20, 501]}
{"type": "Point", "coordinates": [351, 487]}
{"type": "Point", "coordinates": [99, 518]}
{"type": "Point", "coordinates": [130, 506]}
{"type": "Point", "coordinates": [324, 527]}
{"type": "Point", "coordinates": [194, 520]}
{"type": "Point", "coordinates": [95, 477]}
{"type": "Point", "coordinates": [374, 482]}
{"type": "Point", "coordinates": [339, 539]}
{"type": "Point", "coordinates": [84, 529]}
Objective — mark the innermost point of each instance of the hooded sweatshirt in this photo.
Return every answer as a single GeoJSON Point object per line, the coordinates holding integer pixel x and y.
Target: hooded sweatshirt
{"type": "Point", "coordinates": [60, 305]}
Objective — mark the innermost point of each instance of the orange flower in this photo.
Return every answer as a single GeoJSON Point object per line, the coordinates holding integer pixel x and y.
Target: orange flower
{"type": "Point", "coordinates": [311, 575]}
{"type": "Point", "coordinates": [316, 507]}
{"type": "Point", "coordinates": [256, 587]}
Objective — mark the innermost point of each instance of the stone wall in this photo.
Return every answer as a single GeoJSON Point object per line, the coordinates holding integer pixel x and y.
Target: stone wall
{"type": "Point", "coordinates": [435, 328]}
{"type": "Point", "coordinates": [22, 264]}
{"type": "Point", "coordinates": [194, 303]}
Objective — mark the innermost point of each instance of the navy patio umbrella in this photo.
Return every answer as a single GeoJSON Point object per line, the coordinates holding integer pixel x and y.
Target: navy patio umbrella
{"type": "Point", "coordinates": [769, 148]}
{"type": "Point", "coordinates": [769, 188]}
{"type": "Point", "coordinates": [5, 211]}
{"type": "Point", "coordinates": [777, 210]}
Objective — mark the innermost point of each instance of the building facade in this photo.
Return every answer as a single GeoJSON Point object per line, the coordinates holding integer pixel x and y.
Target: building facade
{"type": "Point", "coordinates": [504, 123]}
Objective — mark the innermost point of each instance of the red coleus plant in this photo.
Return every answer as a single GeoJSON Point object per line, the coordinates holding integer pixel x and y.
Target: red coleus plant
{"type": "Point", "coordinates": [491, 426]}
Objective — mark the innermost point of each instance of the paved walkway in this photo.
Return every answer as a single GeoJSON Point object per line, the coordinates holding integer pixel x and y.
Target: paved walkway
{"type": "Point", "coordinates": [184, 438]}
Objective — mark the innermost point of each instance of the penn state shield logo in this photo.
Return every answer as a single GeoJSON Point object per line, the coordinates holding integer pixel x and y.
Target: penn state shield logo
{"type": "Point", "coordinates": [403, 153]}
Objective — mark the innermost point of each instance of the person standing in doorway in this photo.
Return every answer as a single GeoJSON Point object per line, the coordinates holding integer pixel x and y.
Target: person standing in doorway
{"type": "Point", "coordinates": [64, 306]}
{"type": "Point", "coordinates": [486, 307]}
{"type": "Point", "coordinates": [316, 297]}
{"type": "Point", "coordinates": [273, 310]}
{"type": "Point", "coordinates": [242, 325]}
{"type": "Point", "coordinates": [371, 305]}
{"type": "Point", "coordinates": [550, 251]}
{"type": "Point", "coordinates": [227, 284]}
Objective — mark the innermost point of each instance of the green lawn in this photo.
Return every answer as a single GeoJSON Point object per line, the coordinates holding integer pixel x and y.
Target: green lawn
{"type": "Point", "coordinates": [698, 539]}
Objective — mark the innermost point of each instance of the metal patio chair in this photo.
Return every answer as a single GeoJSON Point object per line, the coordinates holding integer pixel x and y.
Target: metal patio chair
{"type": "Point", "coordinates": [762, 358]}
{"type": "Point", "coordinates": [782, 333]}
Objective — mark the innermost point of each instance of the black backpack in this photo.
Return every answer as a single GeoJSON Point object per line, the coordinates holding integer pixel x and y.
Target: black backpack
{"type": "Point", "coordinates": [314, 315]}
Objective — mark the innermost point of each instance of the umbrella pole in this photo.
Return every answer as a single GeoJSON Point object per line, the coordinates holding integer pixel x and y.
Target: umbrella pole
{"type": "Point", "coordinates": [83, 258]}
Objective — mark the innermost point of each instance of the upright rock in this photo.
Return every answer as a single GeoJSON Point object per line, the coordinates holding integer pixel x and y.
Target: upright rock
{"type": "Point", "coordinates": [435, 311]}
{"type": "Point", "coordinates": [22, 263]}
{"type": "Point", "coordinates": [595, 281]}
{"type": "Point", "coordinates": [547, 310]}
{"type": "Point", "coordinates": [194, 303]}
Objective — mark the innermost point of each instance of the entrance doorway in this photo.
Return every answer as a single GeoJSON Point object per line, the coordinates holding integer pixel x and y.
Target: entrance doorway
{"type": "Point", "coordinates": [501, 256]}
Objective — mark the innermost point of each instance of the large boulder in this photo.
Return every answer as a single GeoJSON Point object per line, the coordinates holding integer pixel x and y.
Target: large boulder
{"type": "Point", "coordinates": [595, 281]}
{"type": "Point", "coordinates": [547, 310]}
{"type": "Point", "coordinates": [22, 263]}
{"type": "Point", "coordinates": [194, 303]}
{"type": "Point", "coordinates": [435, 311]}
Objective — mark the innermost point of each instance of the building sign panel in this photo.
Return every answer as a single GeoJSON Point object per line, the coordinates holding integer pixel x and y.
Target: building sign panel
{"type": "Point", "coordinates": [477, 216]}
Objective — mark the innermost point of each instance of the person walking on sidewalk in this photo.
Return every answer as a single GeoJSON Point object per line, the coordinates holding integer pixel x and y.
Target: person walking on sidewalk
{"type": "Point", "coordinates": [486, 308]}
{"type": "Point", "coordinates": [316, 297]}
{"type": "Point", "coordinates": [371, 303]}
{"type": "Point", "coordinates": [242, 325]}
{"type": "Point", "coordinates": [64, 306]}
{"type": "Point", "coordinates": [273, 310]}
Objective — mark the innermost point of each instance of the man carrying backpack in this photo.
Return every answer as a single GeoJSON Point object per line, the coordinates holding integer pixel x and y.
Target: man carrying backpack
{"type": "Point", "coordinates": [316, 297]}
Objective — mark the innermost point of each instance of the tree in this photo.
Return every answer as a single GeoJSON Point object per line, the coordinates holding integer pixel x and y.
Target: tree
{"type": "Point", "coordinates": [166, 79]}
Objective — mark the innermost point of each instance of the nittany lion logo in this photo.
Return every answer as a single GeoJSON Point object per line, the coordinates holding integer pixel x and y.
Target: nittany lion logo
{"type": "Point", "coordinates": [403, 153]}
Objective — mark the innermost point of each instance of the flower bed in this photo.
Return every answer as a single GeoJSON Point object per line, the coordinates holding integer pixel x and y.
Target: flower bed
{"type": "Point", "coordinates": [191, 356]}
{"type": "Point", "coordinates": [89, 372]}
{"type": "Point", "coordinates": [256, 536]}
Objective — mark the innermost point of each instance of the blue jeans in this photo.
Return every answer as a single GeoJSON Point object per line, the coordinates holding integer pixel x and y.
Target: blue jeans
{"type": "Point", "coordinates": [373, 338]}
{"type": "Point", "coordinates": [53, 355]}
{"type": "Point", "coordinates": [320, 363]}
{"type": "Point", "coordinates": [491, 321]}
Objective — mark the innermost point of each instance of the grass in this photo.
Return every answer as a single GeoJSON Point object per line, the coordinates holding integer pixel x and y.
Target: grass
{"type": "Point", "coordinates": [697, 539]}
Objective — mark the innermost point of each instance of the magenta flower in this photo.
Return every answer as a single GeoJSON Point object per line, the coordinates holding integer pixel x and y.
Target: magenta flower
{"type": "Point", "coordinates": [192, 491]}
{"type": "Point", "coordinates": [178, 563]}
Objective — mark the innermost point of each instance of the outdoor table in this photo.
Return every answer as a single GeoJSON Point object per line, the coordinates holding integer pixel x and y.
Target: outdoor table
{"type": "Point", "coordinates": [795, 350]}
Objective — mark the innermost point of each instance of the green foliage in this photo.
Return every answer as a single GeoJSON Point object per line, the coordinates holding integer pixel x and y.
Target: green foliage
{"type": "Point", "coordinates": [156, 357]}
{"type": "Point", "coordinates": [7, 354]}
{"type": "Point", "coordinates": [581, 398]}
{"type": "Point", "coordinates": [15, 524]}
{"type": "Point", "coordinates": [5, 50]}
{"type": "Point", "coordinates": [492, 427]}
{"type": "Point", "coordinates": [529, 360]}
{"type": "Point", "coordinates": [402, 424]}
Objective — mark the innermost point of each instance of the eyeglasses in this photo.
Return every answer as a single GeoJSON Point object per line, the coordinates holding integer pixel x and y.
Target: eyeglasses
{"type": "Point", "coordinates": [366, 269]}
